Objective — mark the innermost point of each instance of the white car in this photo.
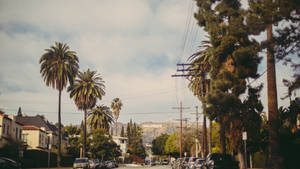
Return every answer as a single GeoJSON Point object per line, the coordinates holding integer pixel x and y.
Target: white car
{"type": "Point", "coordinates": [81, 163]}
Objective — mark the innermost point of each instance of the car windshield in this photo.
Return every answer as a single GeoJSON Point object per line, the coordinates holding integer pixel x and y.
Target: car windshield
{"type": "Point", "coordinates": [80, 160]}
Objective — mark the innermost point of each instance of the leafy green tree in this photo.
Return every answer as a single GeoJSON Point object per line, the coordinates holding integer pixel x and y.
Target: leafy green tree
{"type": "Point", "coordinates": [74, 134]}
{"type": "Point", "coordinates": [100, 117]}
{"type": "Point", "coordinates": [158, 144]}
{"type": "Point", "coordinates": [172, 145]}
{"type": "Point", "coordinates": [102, 146]}
{"type": "Point", "coordinates": [116, 106]}
{"type": "Point", "coordinates": [86, 90]}
{"type": "Point", "coordinates": [59, 66]}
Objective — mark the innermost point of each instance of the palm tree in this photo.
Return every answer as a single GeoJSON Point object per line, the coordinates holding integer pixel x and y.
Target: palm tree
{"type": "Point", "coordinates": [116, 105]}
{"type": "Point", "coordinates": [59, 66]}
{"type": "Point", "coordinates": [199, 82]}
{"type": "Point", "coordinates": [100, 117]}
{"type": "Point", "coordinates": [86, 90]}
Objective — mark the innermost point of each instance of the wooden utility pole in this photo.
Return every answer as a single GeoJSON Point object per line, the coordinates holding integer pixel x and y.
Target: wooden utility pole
{"type": "Point", "coordinates": [210, 137]}
{"type": "Point", "coordinates": [204, 142]}
{"type": "Point", "coordinates": [180, 108]}
{"type": "Point", "coordinates": [197, 132]}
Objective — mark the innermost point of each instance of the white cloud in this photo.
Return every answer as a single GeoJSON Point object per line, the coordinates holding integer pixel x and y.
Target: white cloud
{"type": "Point", "coordinates": [133, 44]}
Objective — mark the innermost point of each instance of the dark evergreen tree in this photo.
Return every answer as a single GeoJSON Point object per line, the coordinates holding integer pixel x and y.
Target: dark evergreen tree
{"type": "Point", "coordinates": [122, 132]}
{"type": "Point", "coordinates": [19, 112]}
{"type": "Point", "coordinates": [234, 59]}
{"type": "Point", "coordinates": [265, 14]}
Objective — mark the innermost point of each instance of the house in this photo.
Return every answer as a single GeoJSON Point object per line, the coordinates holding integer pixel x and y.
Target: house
{"type": "Point", "coordinates": [40, 122]}
{"type": "Point", "coordinates": [122, 142]}
{"type": "Point", "coordinates": [10, 129]}
{"type": "Point", "coordinates": [35, 137]}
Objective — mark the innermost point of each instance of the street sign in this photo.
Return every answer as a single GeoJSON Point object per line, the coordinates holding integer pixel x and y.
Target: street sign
{"type": "Point", "coordinates": [244, 135]}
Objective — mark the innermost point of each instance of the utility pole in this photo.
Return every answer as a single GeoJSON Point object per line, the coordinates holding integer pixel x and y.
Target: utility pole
{"type": "Point", "coordinates": [197, 131]}
{"type": "Point", "coordinates": [180, 108]}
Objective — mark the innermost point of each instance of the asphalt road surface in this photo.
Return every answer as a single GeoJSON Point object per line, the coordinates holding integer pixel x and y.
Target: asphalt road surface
{"type": "Point", "coordinates": [145, 167]}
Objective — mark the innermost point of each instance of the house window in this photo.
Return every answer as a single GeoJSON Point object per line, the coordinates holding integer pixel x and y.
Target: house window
{"type": "Point", "coordinates": [25, 137]}
{"type": "Point", "coordinates": [20, 134]}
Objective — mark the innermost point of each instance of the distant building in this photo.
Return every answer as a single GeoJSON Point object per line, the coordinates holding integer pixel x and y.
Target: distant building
{"type": "Point", "coordinates": [122, 142]}
{"type": "Point", "coordinates": [10, 129]}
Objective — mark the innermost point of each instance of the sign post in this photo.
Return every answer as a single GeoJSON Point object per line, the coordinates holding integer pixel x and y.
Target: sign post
{"type": "Point", "coordinates": [244, 136]}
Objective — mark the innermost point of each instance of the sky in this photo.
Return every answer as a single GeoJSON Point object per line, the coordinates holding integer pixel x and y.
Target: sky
{"type": "Point", "coordinates": [134, 45]}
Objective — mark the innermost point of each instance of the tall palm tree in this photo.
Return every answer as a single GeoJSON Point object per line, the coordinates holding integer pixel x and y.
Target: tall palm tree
{"type": "Point", "coordinates": [116, 105]}
{"type": "Point", "coordinates": [100, 117]}
{"type": "Point", "coordinates": [199, 82]}
{"type": "Point", "coordinates": [59, 66]}
{"type": "Point", "coordinates": [86, 90]}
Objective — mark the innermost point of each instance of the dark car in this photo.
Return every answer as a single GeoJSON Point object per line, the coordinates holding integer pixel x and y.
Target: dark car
{"type": "Point", "coordinates": [164, 162]}
{"type": "Point", "coordinates": [8, 163]}
{"type": "Point", "coordinates": [198, 164]}
{"type": "Point", "coordinates": [219, 161]}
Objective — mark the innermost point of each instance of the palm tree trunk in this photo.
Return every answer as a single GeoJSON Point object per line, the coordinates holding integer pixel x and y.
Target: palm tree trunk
{"type": "Point", "coordinates": [116, 127]}
{"type": "Point", "coordinates": [84, 134]}
{"type": "Point", "coordinates": [59, 129]}
{"type": "Point", "coordinates": [274, 155]}
{"type": "Point", "coordinates": [204, 137]}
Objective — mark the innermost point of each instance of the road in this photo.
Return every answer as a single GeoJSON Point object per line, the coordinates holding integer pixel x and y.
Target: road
{"type": "Point", "coordinates": [146, 167]}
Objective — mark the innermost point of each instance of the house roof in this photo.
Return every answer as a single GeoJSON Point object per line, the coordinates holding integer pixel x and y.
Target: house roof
{"type": "Point", "coordinates": [4, 115]}
{"type": "Point", "coordinates": [32, 128]}
{"type": "Point", "coordinates": [37, 121]}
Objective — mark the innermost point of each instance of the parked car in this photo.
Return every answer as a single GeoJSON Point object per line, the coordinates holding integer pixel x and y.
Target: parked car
{"type": "Point", "coordinates": [177, 163]}
{"type": "Point", "coordinates": [114, 164]}
{"type": "Point", "coordinates": [172, 163]}
{"type": "Point", "coordinates": [164, 162]}
{"type": "Point", "coordinates": [108, 164]}
{"type": "Point", "coordinates": [184, 163]}
{"type": "Point", "coordinates": [191, 162]}
{"type": "Point", "coordinates": [198, 164]}
{"type": "Point", "coordinates": [219, 161]}
{"type": "Point", "coordinates": [94, 164]}
{"type": "Point", "coordinates": [8, 163]}
{"type": "Point", "coordinates": [81, 163]}
{"type": "Point", "coordinates": [147, 162]}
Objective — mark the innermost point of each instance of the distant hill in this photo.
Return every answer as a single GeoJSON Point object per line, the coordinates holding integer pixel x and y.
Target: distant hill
{"type": "Point", "coordinates": [153, 129]}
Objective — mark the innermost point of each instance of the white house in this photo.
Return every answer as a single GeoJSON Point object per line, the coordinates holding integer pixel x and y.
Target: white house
{"type": "Point", "coordinates": [122, 142]}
